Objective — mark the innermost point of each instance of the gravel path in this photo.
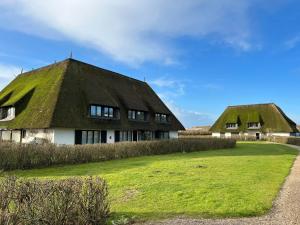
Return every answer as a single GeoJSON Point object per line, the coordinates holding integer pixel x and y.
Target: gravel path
{"type": "Point", "coordinates": [285, 211]}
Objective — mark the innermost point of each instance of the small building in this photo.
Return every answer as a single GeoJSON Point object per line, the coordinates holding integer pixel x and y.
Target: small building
{"type": "Point", "coordinates": [71, 102]}
{"type": "Point", "coordinates": [258, 121]}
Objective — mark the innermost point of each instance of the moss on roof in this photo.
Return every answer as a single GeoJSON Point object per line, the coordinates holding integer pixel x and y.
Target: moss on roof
{"type": "Point", "coordinates": [36, 91]}
{"type": "Point", "coordinates": [271, 117]}
{"type": "Point", "coordinates": [59, 96]}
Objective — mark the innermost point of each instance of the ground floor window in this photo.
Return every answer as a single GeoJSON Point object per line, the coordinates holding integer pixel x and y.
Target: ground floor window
{"type": "Point", "coordinates": [90, 136]}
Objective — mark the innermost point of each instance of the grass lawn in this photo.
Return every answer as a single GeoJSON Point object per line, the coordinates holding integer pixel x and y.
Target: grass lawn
{"type": "Point", "coordinates": [221, 183]}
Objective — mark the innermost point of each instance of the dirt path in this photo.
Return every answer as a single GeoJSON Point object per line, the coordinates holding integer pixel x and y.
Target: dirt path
{"type": "Point", "coordinates": [285, 211]}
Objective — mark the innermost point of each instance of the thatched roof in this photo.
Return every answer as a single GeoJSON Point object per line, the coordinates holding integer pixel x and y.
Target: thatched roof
{"type": "Point", "coordinates": [271, 117]}
{"type": "Point", "coordinates": [59, 95]}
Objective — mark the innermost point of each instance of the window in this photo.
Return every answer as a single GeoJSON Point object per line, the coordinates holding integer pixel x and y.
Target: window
{"type": "Point", "coordinates": [90, 138]}
{"type": "Point", "coordinates": [231, 125]}
{"type": "Point", "coordinates": [161, 118]}
{"type": "Point", "coordinates": [253, 125]}
{"type": "Point", "coordinates": [110, 112]}
{"type": "Point", "coordinates": [103, 111]}
{"type": "Point", "coordinates": [136, 115]}
{"type": "Point", "coordinates": [99, 110]}
{"type": "Point", "coordinates": [105, 114]}
{"type": "Point", "coordinates": [84, 137]}
{"type": "Point", "coordinates": [93, 110]}
{"type": "Point", "coordinates": [23, 132]}
{"type": "Point", "coordinates": [7, 113]}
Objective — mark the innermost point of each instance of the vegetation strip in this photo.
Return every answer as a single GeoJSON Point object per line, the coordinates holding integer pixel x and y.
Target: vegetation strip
{"type": "Point", "coordinates": [16, 156]}
{"type": "Point", "coordinates": [69, 201]}
{"type": "Point", "coordinates": [237, 182]}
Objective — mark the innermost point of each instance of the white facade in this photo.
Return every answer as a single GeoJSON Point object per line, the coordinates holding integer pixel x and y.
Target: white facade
{"type": "Point", "coordinates": [110, 136]}
{"type": "Point", "coordinates": [58, 136]}
{"type": "Point", "coordinates": [38, 136]}
{"type": "Point", "coordinates": [173, 134]}
{"type": "Point", "coordinates": [64, 136]}
{"type": "Point", "coordinates": [227, 135]}
{"type": "Point", "coordinates": [217, 135]}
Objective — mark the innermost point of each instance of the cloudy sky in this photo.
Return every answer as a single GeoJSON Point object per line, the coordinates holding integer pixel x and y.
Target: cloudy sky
{"type": "Point", "coordinates": [199, 56]}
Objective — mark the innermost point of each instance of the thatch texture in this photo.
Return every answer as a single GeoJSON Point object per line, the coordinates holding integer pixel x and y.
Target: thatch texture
{"type": "Point", "coordinates": [59, 95]}
{"type": "Point", "coordinates": [270, 116]}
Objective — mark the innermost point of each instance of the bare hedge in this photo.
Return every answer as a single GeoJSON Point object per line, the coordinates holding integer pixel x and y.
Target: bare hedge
{"type": "Point", "coordinates": [285, 140]}
{"type": "Point", "coordinates": [71, 201]}
{"type": "Point", "coordinates": [17, 156]}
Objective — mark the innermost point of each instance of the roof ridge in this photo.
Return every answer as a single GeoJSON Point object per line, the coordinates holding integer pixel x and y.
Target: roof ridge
{"type": "Point", "coordinates": [97, 67]}
{"type": "Point", "coordinates": [233, 106]}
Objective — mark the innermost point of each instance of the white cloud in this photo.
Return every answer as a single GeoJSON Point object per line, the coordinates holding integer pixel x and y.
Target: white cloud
{"type": "Point", "coordinates": [169, 90]}
{"type": "Point", "coordinates": [7, 73]}
{"type": "Point", "coordinates": [189, 118]}
{"type": "Point", "coordinates": [132, 31]}
{"type": "Point", "coordinates": [292, 42]}
{"type": "Point", "coordinates": [169, 87]}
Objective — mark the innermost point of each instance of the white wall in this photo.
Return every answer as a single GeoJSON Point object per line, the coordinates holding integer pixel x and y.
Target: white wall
{"type": "Point", "coordinates": [173, 134]}
{"type": "Point", "coordinates": [227, 135]}
{"type": "Point", "coordinates": [64, 136]}
{"type": "Point", "coordinates": [6, 135]}
{"type": "Point", "coordinates": [110, 136]}
{"type": "Point", "coordinates": [216, 135]}
{"type": "Point", "coordinates": [38, 135]}
{"type": "Point", "coordinates": [279, 134]}
{"type": "Point", "coordinates": [16, 135]}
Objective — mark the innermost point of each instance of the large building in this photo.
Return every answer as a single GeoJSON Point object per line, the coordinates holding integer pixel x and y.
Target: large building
{"type": "Point", "coordinates": [259, 120]}
{"type": "Point", "coordinates": [72, 102]}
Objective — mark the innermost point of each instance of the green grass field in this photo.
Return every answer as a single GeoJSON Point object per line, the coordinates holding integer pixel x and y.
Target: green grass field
{"type": "Point", "coordinates": [221, 183]}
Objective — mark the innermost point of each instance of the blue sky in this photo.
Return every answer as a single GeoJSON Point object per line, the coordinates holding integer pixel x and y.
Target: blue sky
{"type": "Point", "coordinates": [199, 56]}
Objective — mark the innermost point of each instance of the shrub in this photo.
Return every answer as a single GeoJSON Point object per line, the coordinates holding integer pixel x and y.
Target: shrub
{"type": "Point", "coordinates": [17, 156]}
{"type": "Point", "coordinates": [285, 140]}
{"type": "Point", "coordinates": [70, 201]}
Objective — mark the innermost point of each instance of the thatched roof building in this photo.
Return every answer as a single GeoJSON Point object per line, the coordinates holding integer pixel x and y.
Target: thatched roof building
{"type": "Point", "coordinates": [257, 120]}
{"type": "Point", "coordinates": [74, 96]}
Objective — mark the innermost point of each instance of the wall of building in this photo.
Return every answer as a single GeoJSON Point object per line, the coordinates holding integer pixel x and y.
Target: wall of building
{"type": "Point", "coordinates": [6, 135]}
{"type": "Point", "coordinates": [64, 136]}
{"type": "Point", "coordinates": [16, 135]}
{"type": "Point", "coordinates": [38, 136]}
{"type": "Point", "coordinates": [279, 134]}
{"type": "Point", "coordinates": [173, 134]}
{"type": "Point", "coordinates": [217, 135]}
{"type": "Point", "coordinates": [227, 135]}
{"type": "Point", "coordinates": [110, 136]}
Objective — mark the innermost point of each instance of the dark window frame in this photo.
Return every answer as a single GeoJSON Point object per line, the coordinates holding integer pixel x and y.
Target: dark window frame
{"type": "Point", "coordinates": [161, 117]}
{"type": "Point", "coordinates": [103, 112]}
{"type": "Point", "coordinates": [137, 115]}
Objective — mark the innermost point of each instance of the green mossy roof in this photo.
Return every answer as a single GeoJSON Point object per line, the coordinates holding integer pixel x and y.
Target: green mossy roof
{"type": "Point", "coordinates": [36, 92]}
{"type": "Point", "coordinates": [59, 96]}
{"type": "Point", "coordinates": [270, 116]}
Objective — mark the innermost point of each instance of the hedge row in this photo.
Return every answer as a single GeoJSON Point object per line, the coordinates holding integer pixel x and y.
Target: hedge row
{"type": "Point", "coordinates": [71, 201]}
{"type": "Point", "coordinates": [285, 140]}
{"type": "Point", "coordinates": [16, 156]}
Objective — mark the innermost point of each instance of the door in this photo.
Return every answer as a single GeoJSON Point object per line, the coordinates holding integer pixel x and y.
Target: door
{"type": "Point", "coordinates": [103, 136]}
{"type": "Point", "coordinates": [78, 137]}
{"type": "Point", "coordinates": [117, 136]}
{"type": "Point", "coordinates": [257, 136]}
{"type": "Point", "coordinates": [134, 135]}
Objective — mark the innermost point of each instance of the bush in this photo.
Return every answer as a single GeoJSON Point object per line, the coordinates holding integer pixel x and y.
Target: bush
{"type": "Point", "coordinates": [285, 140]}
{"type": "Point", "coordinates": [17, 156]}
{"type": "Point", "coordinates": [70, 201]}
